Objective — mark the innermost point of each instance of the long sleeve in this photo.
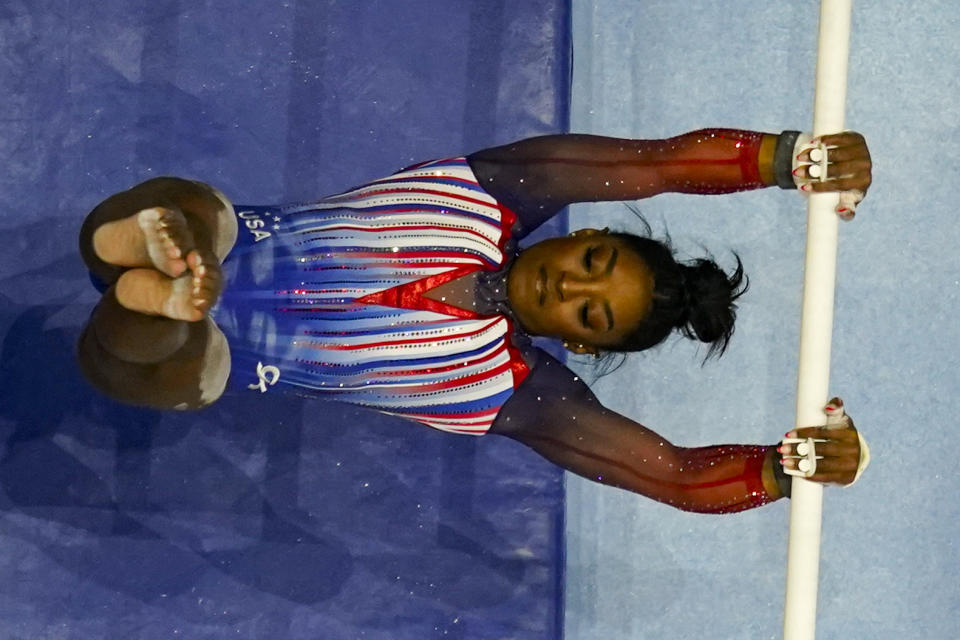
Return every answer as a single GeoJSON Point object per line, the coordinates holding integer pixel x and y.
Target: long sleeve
{"type": "Point", "coordinates": [539, 176]}
{"type": "Point", "coordinates": [555, 414]}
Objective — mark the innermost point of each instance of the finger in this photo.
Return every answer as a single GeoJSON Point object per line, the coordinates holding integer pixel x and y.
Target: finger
{"type": "Point", "coordinates": [848, 168]}
{"type": "Point", "coordinates": [841, 478]}
{"type": "Point", "coordinates": [847, 154]}
{"type": "Point", "coordinates": [827, 470]}
{"type": "Point", "coordinates": [827, 443]}
{"type": "Point", "coordinates": [807, 172]}
{"type": "Point", "coordinates": [858, 168]}
{"type": "Point", "coordinates": [787, 450]}
{"type": "Point", "coordinates": [847, 203]}
{"type": "Point", "coordinates": [826, 433]}
{"type": "Point", "coordinates": [788, 463]}
{"type": "Point", "coordinates": [837, 465]}
{"type": "Point", "coordinates": [844, 139]}
{"type": "Point", "coordinates": [812, 152]}
{"type": "Point", "coordinates": [828, 449]}
{"type": "Point", "coordinates": [833, 449]}
{"type": "Point", "coordinates": [859, 182]}
{"type": "Point", "coordinates": [835, 413]}
{"type": "Point", "coordinates": [841, 178]}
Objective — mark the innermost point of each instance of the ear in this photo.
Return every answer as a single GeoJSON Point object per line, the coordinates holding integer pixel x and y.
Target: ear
{"type": "Point", "coordinates": [580, 349]}
{"type": "Point", "coordinates": [587, 232]}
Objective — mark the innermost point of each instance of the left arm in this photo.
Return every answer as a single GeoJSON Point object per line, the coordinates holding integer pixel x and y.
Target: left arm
{"type": "Point", "coordinates": [611, 449]}
{"type": "Point", "coordinates": [555, 414]}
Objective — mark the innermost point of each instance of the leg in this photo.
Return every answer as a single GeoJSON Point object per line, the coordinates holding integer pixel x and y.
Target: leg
{"type": "Point", "coordinates": [126, 228]}
{"type": "Point", "coordinates": [159, 230]}
{"type": "Point", "coordinates": [134, 337]}
{"type": "Point", "coordinates": [158, 237]}
{"type": "Point", "coordinates": [153, 361]}
{"type": "Point", "coordinates": [148, 342]}
{"type": "Point", "coordinates": [188, 297]}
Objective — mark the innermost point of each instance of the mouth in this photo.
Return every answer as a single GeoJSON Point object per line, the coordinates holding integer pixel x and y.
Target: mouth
{"type": "Point", "coordinates": [541, 286]}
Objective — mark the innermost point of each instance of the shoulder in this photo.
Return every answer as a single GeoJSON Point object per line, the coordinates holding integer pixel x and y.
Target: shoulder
{"type": "Point", "coordinates": [551, 392]}
{"type": "Point", "coordinates": [550, 377]}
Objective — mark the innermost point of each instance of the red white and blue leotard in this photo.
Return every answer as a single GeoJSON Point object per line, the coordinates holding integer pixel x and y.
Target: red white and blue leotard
{"type": "Point", "coordinates": [327, 298]}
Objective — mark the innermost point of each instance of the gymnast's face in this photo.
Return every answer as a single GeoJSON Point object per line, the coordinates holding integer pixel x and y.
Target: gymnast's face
{"type": "Point", "coordinates": [587, 289]}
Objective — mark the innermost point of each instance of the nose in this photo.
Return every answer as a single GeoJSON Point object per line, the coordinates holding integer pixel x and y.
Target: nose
{"type": "Point", "coordinates": [573, 286]}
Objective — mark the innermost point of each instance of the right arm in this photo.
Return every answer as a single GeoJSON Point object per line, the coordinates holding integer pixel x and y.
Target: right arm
{"type": "Point", "coordinates": [539, 176]}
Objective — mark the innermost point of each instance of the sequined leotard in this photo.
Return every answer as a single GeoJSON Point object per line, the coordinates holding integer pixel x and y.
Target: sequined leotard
{"type": "Point", "coordinates": [327, 298]}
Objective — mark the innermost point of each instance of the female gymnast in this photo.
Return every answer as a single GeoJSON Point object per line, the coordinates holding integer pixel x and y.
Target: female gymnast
{"type": "Point", "coordinates": [407, 295]}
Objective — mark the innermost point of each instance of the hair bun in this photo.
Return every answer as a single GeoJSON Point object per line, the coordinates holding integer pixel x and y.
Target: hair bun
{"type": "Point", "coordinates": [709, 308]}
{"type": "Point", "coordinates": [696, 298]}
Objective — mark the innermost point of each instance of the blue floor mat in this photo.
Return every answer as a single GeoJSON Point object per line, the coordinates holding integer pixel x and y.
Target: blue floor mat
{"type": "Point", "coordinates": [259, 517]}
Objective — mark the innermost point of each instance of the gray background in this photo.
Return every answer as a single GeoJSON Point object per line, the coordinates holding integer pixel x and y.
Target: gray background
{"type": "Point", "coordinates": [638, 569]}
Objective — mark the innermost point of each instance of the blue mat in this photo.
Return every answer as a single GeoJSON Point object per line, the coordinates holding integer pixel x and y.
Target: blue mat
{"type": "Point", "coordinates": [260, 517]}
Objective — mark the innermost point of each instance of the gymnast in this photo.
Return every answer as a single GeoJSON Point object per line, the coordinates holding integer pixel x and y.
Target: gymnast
{"type": "Point", "coordinates": [408, 295]}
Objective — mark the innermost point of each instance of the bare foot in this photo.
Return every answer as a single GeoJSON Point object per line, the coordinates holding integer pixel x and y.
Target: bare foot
{"type": "Point", "coordinates": [188, 297]}
{"type": "Point", "coordinates": [206, 280]}
{"type": "Point", "coordinates": [167, 237]}
{"type": "Point", "coordinates": [157, 237]}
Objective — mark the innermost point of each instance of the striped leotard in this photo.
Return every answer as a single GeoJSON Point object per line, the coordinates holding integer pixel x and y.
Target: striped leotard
{"type": "Point", "coordinates": [326, 298]}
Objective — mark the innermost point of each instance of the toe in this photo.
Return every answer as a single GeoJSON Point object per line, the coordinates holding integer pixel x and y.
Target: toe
{"type": "Point", "coordinates": [207, 280]}
{"type": "Point", "coordinates": [173, 251]}
{"type": "Point", "coordinates": [194, 260]}
{"type": "Point", "coordinates": [167, 238]}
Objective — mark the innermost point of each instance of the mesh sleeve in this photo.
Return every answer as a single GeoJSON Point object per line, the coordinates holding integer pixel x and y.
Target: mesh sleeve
{"type": "Point", "coordinates": [554, 413]}
{"type": "Point", "coordinates": [539, 176]}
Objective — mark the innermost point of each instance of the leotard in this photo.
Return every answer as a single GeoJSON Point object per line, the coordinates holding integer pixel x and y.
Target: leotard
{"type": "Point", "coordinates": [327, 298]}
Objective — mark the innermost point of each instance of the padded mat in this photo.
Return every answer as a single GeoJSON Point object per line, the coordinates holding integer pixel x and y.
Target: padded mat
{"type": "Point", "coordinates": [260, 517]}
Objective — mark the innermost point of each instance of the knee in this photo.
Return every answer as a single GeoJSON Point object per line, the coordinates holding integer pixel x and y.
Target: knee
{"type": "Point", "coordinates": [216, 364]}
{"type": "Point", "coordinates": [135, 337]}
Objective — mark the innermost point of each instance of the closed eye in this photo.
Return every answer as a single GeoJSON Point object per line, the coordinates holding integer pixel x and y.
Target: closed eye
{"type": "Point", "coordinates": [588, 259]}
{"type": "Point", "coordinates": [585, 315]}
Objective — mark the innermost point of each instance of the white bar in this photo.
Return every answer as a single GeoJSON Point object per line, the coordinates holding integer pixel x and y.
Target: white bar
{"type": "Point", "coordinates": [816, 332]}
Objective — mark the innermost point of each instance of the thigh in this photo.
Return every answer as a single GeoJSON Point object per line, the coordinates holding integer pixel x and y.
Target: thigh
{"type": "Point", "coordinates": [191, 377]}
{"type": "Point", "coordinates": [135, 337]}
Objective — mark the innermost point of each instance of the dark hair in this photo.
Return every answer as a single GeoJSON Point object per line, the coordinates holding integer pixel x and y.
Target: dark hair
{"type": "Point", "coordinates": [697, 297]}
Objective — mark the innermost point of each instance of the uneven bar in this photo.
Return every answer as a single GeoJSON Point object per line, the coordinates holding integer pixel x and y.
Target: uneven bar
{"type": "Point", "coordinates": [816, 333]}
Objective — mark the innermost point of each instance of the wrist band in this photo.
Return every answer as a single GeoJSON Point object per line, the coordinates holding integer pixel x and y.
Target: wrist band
{"type": "Point", "coordinates": [783, 159]}
{"type": "Point", "coordinates": [784, 482]}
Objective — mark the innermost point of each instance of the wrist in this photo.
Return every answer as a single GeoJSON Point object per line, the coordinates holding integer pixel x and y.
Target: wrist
{"type": "Point", "coordinates": [776, 482]}
{"type": "Point", "coordinates": [783, 156]}
{"type": "Point", "coordinates": [766, 157]}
